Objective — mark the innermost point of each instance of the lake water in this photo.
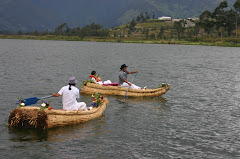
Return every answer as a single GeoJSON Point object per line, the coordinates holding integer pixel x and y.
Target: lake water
{"type": "Point", "coordinates": [198, 118]}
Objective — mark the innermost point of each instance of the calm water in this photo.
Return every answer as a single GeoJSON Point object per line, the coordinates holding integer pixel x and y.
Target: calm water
{"type": "Point", "coordinates": [198, 118]}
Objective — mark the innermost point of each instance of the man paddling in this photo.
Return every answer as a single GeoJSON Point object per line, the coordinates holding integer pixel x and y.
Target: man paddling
{"type": "Point", "coordinates": [123, 78]}
{"type": "Point", "coordinates": [70, 93]}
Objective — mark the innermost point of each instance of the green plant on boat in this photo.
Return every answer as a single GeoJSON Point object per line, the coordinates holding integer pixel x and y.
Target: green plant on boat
{"type": "Point", "coordinates": [163, 85]}
{"type": "Point", "coordinates": [98, 100]}
{"type": "Point", "coordinates": [90, 81]}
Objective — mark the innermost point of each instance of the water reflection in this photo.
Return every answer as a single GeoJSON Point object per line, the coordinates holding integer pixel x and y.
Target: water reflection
{"type": "Point", "coordinates": [161, 100]}
{"type": "Point", "coordinates": [66, 133]}
{"type": "Point", "coordinates": [153, 102]}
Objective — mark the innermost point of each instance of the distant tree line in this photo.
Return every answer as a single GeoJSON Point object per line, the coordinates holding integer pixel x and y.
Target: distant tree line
{"type": "Point", "coordinates": [64, 30]}
{"type": "Point", "coordinates": [88, 30]}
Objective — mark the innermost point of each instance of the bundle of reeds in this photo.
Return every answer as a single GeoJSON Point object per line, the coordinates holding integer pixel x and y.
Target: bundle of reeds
{"type": "Point", "coordinates": [91, 88]}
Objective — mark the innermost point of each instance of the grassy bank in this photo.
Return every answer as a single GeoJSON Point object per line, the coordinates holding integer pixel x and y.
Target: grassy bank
{"type": "Point", "coordinates": [226, 42]}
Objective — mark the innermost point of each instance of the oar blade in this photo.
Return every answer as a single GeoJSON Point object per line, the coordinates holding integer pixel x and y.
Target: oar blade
{"type": "Point", "coordinates": [30, 101]}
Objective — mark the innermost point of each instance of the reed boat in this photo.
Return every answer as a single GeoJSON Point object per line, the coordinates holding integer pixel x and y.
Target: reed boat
{"type": "Point", "coordinates": [31, 117]}
{"type": "Point", "coordinates": [91, 88]}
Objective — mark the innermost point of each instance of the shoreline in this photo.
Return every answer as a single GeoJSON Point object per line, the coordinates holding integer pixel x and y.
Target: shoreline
{"type": "Point", "coordinates": [218, 42]}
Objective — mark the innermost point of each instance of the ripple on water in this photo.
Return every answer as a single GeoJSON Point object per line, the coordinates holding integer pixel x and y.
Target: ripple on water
{"type": "Point", "coordinates": [197, 118]}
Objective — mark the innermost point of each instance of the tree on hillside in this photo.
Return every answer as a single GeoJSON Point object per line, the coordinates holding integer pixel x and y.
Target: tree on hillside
{"type": "Point", "coordinates": [153, 16]}
{"type": "Point", "coordinates": [224, 18]}
{"type": "Point", "coordinates": [142, 17]}
{"type": "Point", "coordinates": [220, 15]}
{"type": "Point", "coordinates": [94, 26]}
{"type": "Point", "coordinates": [196, 29]}
{"type": "Point", "coordinates": [237, 9]}
{"type": "Point", "coordinates": [146, 33]}
{"type": "Point", "coordinates": [206, 21]}
{"type": "Point", "coordinates": [152, 36]}
{"type": "Point", "coordinates": [62, 29]}
{"type": "Point", "coordinates": [138, 18]}
{"type": "Point", "coordinates": [93, 30]}
{"type": "Point", "coordinates": [132, 25]}
{"type": "Point", "coordinates": [147, 15]}
{"type": "Point", "coordinates": [76, 31]}
{"type": "Point", "coordinates": [161, 33]}
{"type": "Point", "coordinates": [230, 23]}
{"type": "Point", "coordinates": [180, 27]}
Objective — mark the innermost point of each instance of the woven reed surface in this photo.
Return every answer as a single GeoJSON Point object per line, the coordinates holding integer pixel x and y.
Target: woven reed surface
{"type": "Point", "coordinates": [92, 88]}
{"type": "Point", "coordinates": [30, 117]}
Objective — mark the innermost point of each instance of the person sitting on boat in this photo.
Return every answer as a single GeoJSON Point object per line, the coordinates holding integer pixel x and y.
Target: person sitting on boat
{"type": "Point", "coordinates": [69, 94]}
{"type": "Point", "coordinates": [97, 79]}
{"type": "Point", "coordinates": [123, 78]}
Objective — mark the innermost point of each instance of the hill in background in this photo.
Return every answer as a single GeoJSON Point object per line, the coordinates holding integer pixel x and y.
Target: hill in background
{"type": "Point", "coordinates": [29, 15]}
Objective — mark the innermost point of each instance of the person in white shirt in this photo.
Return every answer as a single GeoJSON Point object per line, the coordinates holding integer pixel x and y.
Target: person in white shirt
{"type": "Point", "coordinates": [69, 94]}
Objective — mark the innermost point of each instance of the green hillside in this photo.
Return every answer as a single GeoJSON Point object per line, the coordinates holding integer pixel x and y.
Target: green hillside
{"type": "Point", "coordinates": [30, 15]}
{"type": "Point", "coordinates": [173, 8]}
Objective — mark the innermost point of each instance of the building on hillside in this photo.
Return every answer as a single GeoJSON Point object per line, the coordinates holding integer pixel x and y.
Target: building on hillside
{"type": "Point", "coordinates": [165, 18]}
{"type": "Point", "coordinates": [193, 18]}
{"type": "Point", "coordinates": [176, 20]}
{"type": "Point", "coordinates": [190, 24]}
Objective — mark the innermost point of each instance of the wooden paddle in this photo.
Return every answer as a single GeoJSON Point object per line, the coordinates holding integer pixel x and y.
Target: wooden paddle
{"type": "Point", "coordinates": [33, 100]}
{"type": "Point", "coordinates": [130, 86]}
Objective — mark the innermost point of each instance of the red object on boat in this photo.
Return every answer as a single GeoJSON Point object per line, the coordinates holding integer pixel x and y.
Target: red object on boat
{"type": "Point", "coordinates": [111, 84]}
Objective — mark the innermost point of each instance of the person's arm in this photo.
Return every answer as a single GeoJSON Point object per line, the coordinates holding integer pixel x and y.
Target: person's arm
{"type": "Point", "coordinates": [55, 94]}
{"type": "Point", "coordinates": [133, 72]}
{"type": "Point", "coordinates": [126, 82]}
{"type": "Point", "coordinates": [59, 93]}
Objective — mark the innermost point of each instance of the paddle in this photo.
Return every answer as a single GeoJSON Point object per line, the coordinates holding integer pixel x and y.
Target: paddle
{"type": "Point", "coordinates": [130, 86]}
{"type": "Point", "coordinates": [33, 100]}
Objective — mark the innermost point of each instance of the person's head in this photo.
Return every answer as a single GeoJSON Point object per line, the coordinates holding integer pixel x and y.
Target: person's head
{"type": "Point", "coordinates": [124, 67]}
{"type": "Point", "coordinates": [72, 81]}
{"type": "Point", "coordinates": [93, 73]}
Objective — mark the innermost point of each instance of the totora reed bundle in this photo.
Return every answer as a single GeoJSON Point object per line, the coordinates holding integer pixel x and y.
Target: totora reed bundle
{"type": "Point", "coordinates": [91, 88]}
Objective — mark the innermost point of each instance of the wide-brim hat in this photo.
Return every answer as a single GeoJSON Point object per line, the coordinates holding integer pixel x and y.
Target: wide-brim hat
{"type": "Point", "coordinates": [123, 66]}
{"type": "Point", "coordinates": [72, 80]}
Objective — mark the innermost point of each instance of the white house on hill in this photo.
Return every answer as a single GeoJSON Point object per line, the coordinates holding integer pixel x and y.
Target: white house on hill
{"type": "Point", "coordinates": [165, 18]}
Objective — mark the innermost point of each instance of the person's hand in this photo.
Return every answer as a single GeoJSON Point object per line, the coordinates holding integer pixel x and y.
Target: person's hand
{"type": "Point", "coordinates": [55, 95]}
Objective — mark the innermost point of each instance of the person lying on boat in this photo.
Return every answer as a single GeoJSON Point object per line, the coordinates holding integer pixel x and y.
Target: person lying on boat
{"type": "Point", "coordinates": [123, 78]}
{"type": "Point", "coordinates": [69, 94]}
{"type": "Point", "coordinates": [97, 79]}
